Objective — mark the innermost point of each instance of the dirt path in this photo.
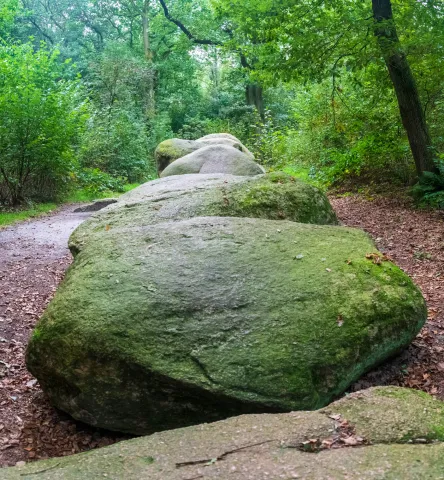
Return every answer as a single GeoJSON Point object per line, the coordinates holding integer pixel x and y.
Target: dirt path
{"type": "Point", "coordinates": [34, 257]}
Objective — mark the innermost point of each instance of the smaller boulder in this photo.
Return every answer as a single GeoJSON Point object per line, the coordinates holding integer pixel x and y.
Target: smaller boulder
{"type": "Point", "coordinates": [172, 149]}
{"type": "Point", "coordinates": [214, 159]}
{"type": "Point", "coordinates": [218, 135]}
{"type": "Point", "coordinates": [221, 140]}
{"type": "Point", "coordinates": [96, 205]}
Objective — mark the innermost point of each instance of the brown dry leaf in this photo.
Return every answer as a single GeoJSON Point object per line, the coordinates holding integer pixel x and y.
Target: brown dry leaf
{"type": "Point", "coordinates": [350, 441]}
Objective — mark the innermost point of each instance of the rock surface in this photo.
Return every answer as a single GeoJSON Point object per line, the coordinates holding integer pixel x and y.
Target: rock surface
{"type": "Point", "coordinates": [222, 140]}
{"type": "Point", "coordinates": [196, 320]}
{"type": "Point", "coordinates": [275, 196]}
{"type": "Point", "coordinates": [214, 159]}
{"type": "Point", "coordinates": [172, 149]}
{"type": "Point", "coordinates": [364, 436]}
{"type": "Point", "coordinates": [96, 205]}
{"type": "Point", "coordinates": [212, 136]}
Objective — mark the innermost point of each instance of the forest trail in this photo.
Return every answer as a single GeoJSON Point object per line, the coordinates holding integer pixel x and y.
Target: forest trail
{"type": "Point", "coordinates": [34, 257]}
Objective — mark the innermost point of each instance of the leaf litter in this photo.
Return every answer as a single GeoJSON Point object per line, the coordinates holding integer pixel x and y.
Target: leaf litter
{"type": "Point", "coordinates": [33, 260]}
{"type": "Point", "coordinates": [414, 240]}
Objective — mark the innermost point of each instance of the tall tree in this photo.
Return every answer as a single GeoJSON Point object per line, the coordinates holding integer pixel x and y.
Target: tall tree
{"type": "Point", "coordinates": [312, 39]}
{"type": "Point", "coordinates": [253, 91]}
{"type": "Point", "coordinates": [410, 108]}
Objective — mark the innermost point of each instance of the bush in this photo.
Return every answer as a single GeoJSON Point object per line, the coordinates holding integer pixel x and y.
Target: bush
{"type": "Point", "coordinates": [355, 132]}
{"type": "Point", "coordinates": [95, 182]}
{"type": "Point", "coordinates": [429, 191]}
{"type": "Point", "coordinates": [40, 116]}
{"type": "Point", "coordinates": [116, 143]}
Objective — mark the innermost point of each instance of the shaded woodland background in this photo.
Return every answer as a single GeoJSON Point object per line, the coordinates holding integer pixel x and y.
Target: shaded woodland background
{"type": "Point", "coordinates": [89, 88]}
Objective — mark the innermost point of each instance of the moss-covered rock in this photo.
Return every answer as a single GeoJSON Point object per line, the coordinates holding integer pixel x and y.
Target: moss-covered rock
{"type": "Point", "coordinates": [196, 320]}
{"type": "Point", "coordinates": [275, 196]}
{"type": "Point", "coordinates": [172, 149]}
{"type": "Point", "coordinates": [264, 447]}
{"type": "Point", "coordinates": [214, 159]}
{"type": "Point", "coordinates": [392, 414]}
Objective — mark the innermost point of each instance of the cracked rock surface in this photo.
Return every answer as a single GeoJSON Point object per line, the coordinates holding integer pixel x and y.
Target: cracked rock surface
{"type": "Point", "coordinates": [380, 433]}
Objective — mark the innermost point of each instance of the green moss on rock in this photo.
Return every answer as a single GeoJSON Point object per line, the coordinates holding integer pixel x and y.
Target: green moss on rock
{"type": "Point", "coordinates": [196, 320]}
{"type": "Point", "coordinates": [172, 149]}
{"type": "Point", "coordinates": [274, 196]}
{"type": "Point", "coordinates": [403, 415]}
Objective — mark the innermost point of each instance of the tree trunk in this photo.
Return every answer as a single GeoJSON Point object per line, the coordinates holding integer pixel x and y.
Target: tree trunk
{"type": "Point", "coordinates": [150, 107]}
{"type": "Point", "coordinates": [254, 94]}
{"type": "Point", "coordinates": [145, 29]}
{"type": "Point", "coordinates": [410, 108]}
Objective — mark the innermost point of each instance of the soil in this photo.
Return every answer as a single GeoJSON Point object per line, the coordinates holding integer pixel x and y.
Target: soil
{"type": "Point", "coordinates": [34, 258]}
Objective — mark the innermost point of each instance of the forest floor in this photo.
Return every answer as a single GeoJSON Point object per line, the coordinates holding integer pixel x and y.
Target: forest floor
{"type": "Point", "coordinates": [414, 240]}
{"type": "Point", "coordinates": [34, 258]}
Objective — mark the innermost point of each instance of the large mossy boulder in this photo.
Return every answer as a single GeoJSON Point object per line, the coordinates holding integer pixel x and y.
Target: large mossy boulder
{"type": "Point", "coordinates": [382, 433]}
{"type": "Point", "coordinates": [214, 159]}
{"type": "Point", "coordinates": [172, 149]}
{"type": "Point", "coordinates": [196, 320]}
{"type": "Point", "coordinates": [275, 196]}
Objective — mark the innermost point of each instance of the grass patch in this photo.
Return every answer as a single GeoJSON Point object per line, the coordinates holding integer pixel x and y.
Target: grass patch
{"type": "Point", "coordinates": [297, 171]}
{"type": "Point", "coordinates": [11, 216]}
{"type": "Point", "coordinates": [83, 195]}
{"type": "Point", "coordinates": [8, 217]}
{"type": "Point", "coordinates": [303, 173]}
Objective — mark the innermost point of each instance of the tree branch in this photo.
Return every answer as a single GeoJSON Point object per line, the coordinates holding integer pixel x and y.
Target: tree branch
{"type": "Point", "coordinates": [198, 41]}
{"type": "Point", "coordinates": [44, 34]}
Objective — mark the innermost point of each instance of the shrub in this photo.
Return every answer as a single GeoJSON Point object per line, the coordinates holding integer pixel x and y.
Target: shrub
{"type": "Point", "coordinates": [96, 182]}
{"type": "Point", "coordinates": [116, 143]}
{"type": "Point", "coordinates": [429, 191]}
{"type": "Point", "coordinates": [40, 116]}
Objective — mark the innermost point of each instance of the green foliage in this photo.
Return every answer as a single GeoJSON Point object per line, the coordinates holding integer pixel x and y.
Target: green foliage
{"type": "Point", "coordinates": [8, 11]}
{"type": "Point", "coordinates": [40, 117]}
{"type": "Point", "coordinates": [115, 142]}
{"type": "Point", "coordinates": [95, 182]}
{"type": "Point", "coordinates": [271, 143]}
{"type": "Point", "coordinates": [429, 191]}
{"type": "Point", "coordinates": [330, 109]}
{"type": "Point", "coordinates": [346, 109]}
{"type": "Point", "coordinates": [351, 132]}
